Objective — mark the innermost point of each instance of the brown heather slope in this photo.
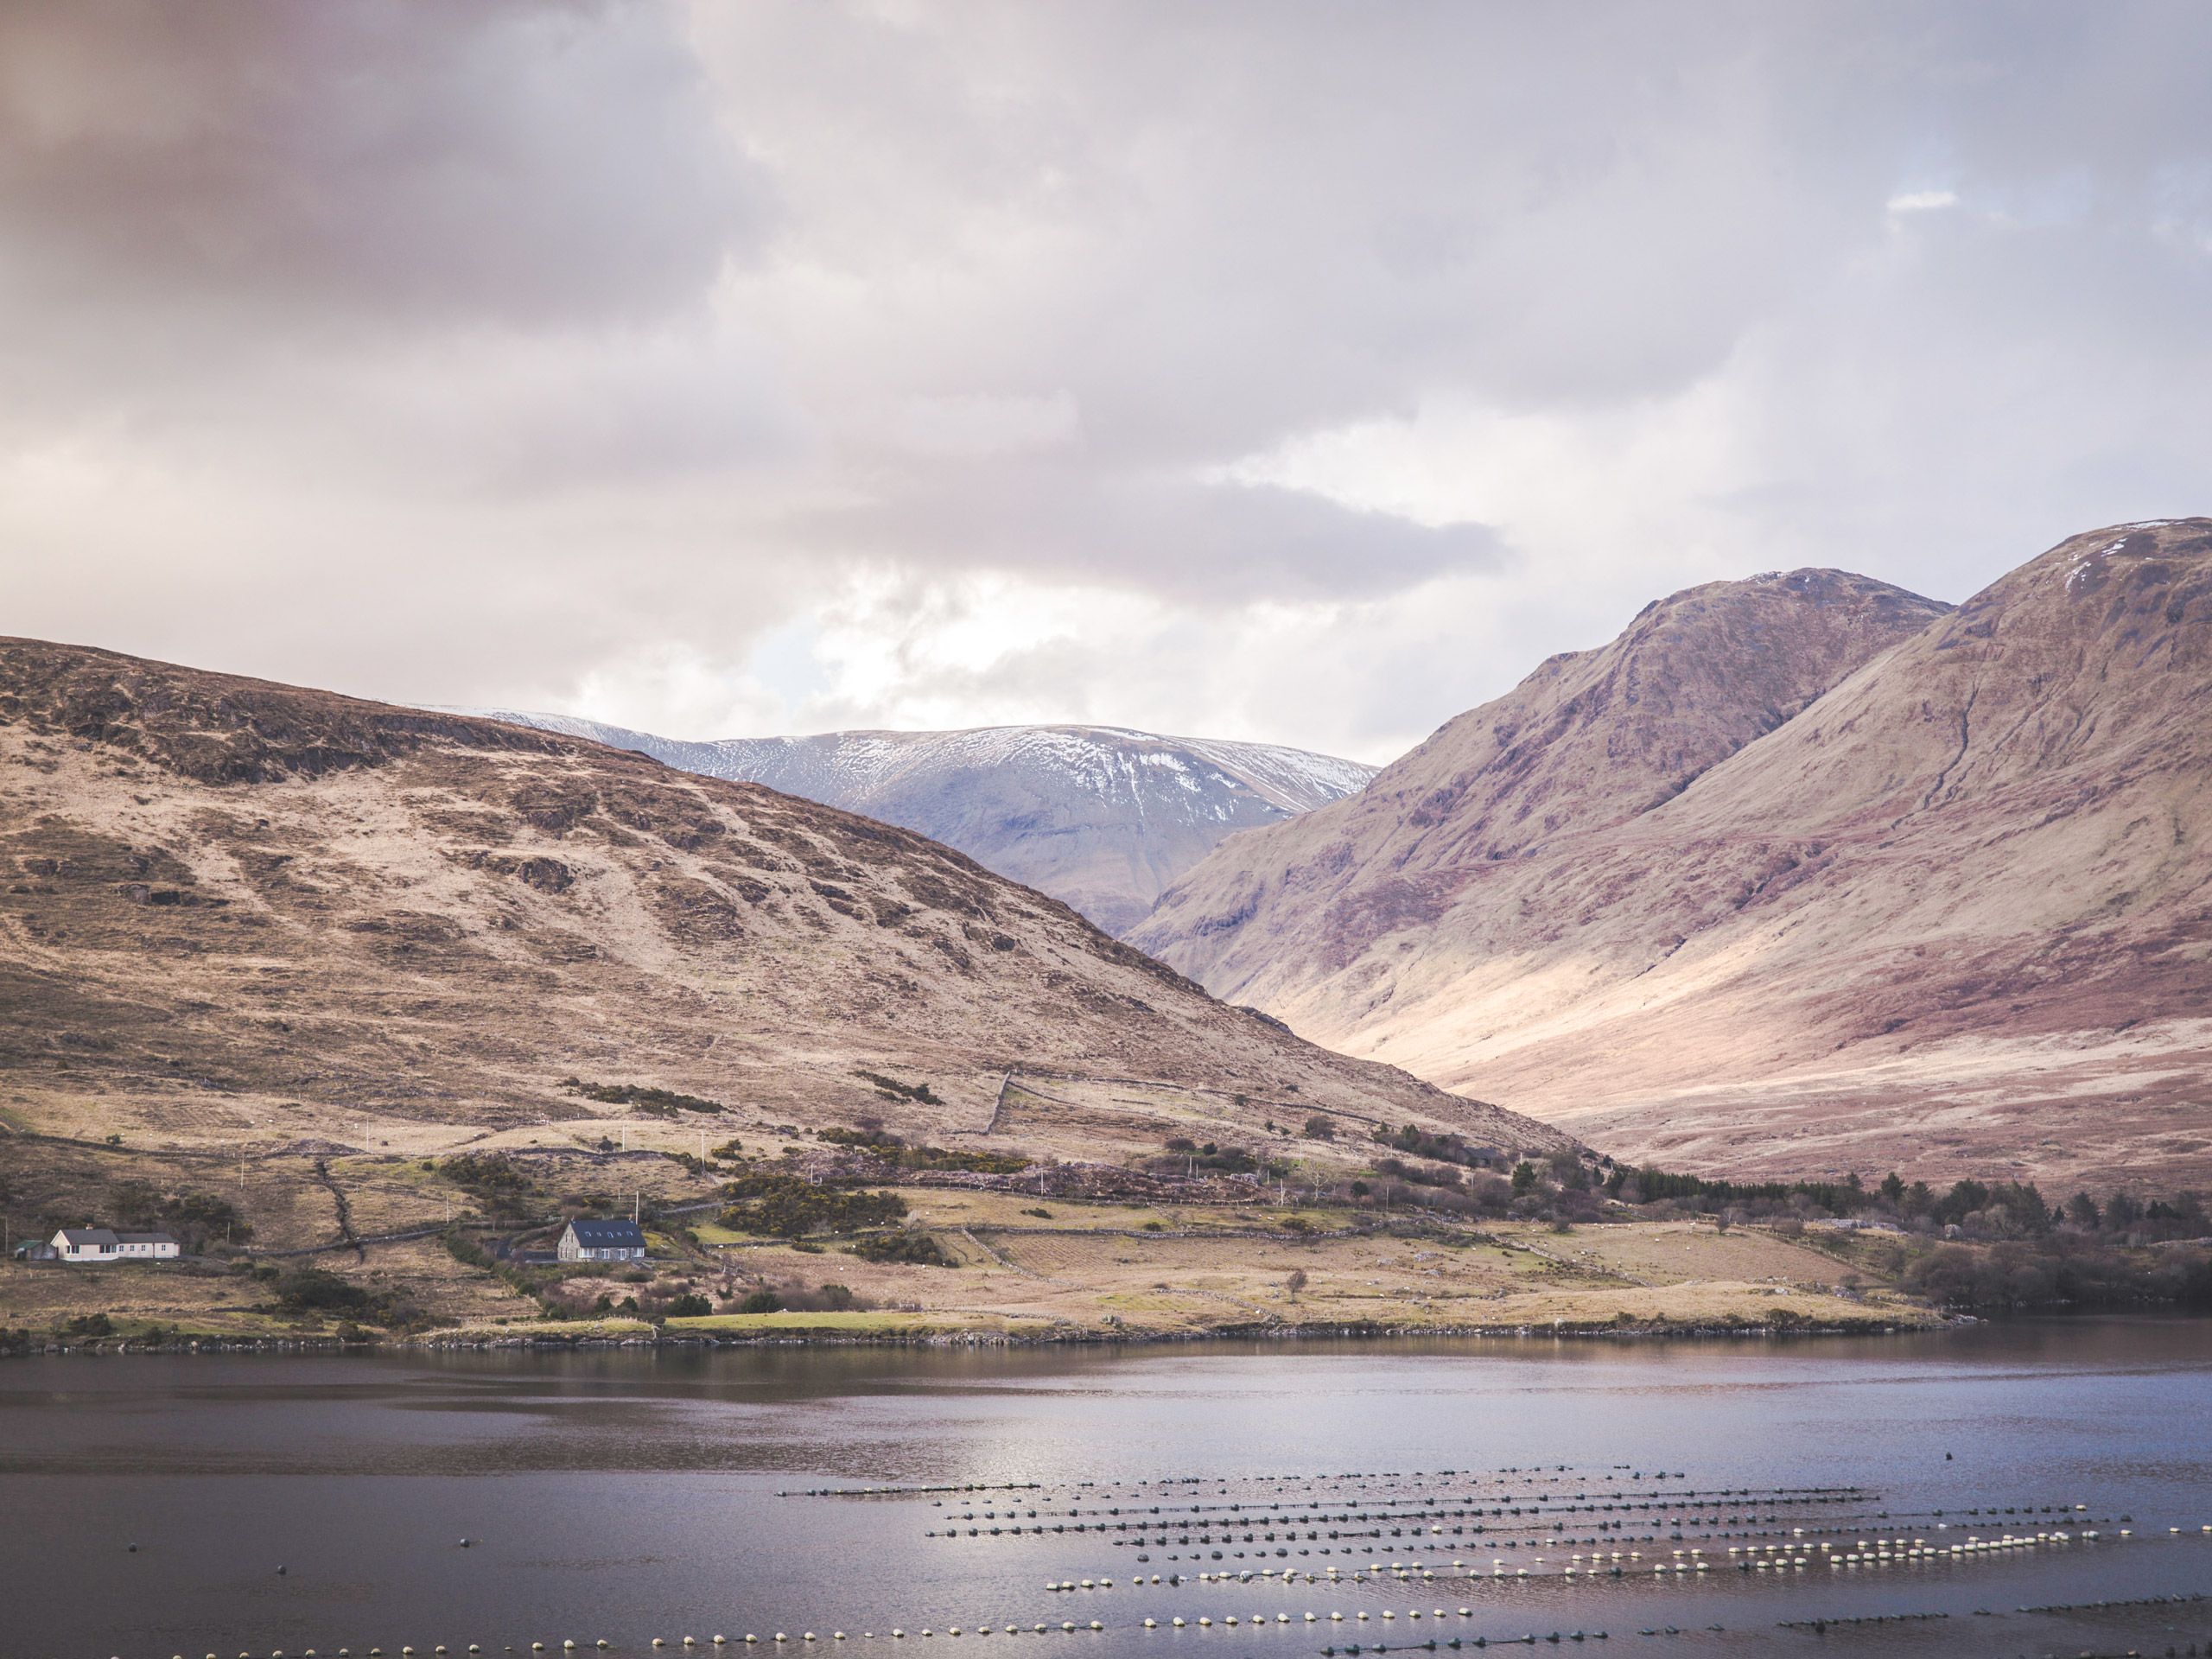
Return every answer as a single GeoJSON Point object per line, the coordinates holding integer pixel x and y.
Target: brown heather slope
{"type": "Point", "coordinates": [243, 913]}
{"type": "Point", "coordinates": [1951, 918]}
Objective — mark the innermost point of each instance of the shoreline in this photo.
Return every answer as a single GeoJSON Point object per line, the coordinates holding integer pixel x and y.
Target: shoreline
{"type": "Point", "coordinates": [595, 1342]}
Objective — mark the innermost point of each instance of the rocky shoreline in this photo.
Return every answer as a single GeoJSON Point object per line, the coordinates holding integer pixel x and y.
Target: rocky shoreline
{"type": "Point", "coordinates": [542, 1342]}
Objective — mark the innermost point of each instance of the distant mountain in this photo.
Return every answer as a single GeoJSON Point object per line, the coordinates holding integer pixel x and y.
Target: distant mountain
{"type": "Point", "coordinates": [1100, 818]}
{"type": "Point", "coordinates": [1799, 874]}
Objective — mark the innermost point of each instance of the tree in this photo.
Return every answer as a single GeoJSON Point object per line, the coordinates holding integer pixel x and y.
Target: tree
{"type": "Point", "coordinates": [2082, 1210]}
{"type": "Point", "coordinates": [1892, 1187]}
{"type": "Point", "coordinates": [1296, 1282]}
{"type": "Point", "coordinates": [1524, 1179]}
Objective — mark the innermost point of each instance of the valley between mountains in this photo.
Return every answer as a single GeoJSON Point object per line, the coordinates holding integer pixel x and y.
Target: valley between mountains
{"type": "Point", "coordinates": [1803, 878]}
{"type": "Point", "coordinates": [354, 997]}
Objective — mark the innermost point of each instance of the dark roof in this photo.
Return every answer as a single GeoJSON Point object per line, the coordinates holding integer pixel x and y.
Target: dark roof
{"type": "Point", "coordinates": [145, 1238]}
{"type": "Point", "coordinates": [608, 1234]}
{"type": "Point", "coordinates": [89, 1235]}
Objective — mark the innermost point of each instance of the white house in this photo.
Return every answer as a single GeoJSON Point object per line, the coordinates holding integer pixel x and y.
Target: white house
{"type": "Point", "coordinates": [600, 1241]}
{"type": "Point", "coordinates": [87, 1244]}
{"type": "Point", "coordinates": [98, 1244]}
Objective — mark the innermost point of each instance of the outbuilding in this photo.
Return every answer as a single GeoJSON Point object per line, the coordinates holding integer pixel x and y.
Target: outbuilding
{"type": "Point", "coordinates": [149, 1247]}
{"type": "Point", "coordinates": [601, 1241]}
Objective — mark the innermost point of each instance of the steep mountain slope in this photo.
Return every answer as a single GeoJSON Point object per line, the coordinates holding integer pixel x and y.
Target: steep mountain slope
{"type": "Point", "coordinates": [234, 907]}
{"type": "Point", "coordinates": [1951, 916]}
{"type": "Point", "coordinates": [1100, 818]}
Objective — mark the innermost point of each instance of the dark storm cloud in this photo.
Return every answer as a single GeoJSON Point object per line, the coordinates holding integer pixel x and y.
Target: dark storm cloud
{"type": "Point", "coordinates": [1189, 541]}
{"type": "Point", "coordinates": [486, 158]}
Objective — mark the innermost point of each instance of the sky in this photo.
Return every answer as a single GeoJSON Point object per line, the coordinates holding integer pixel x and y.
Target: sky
{"type": "Point", "coordinates": [1291, 372]}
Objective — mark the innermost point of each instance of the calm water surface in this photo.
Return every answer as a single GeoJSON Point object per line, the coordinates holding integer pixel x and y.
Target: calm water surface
{"type": "Point", "coordinates": [627, 1497]}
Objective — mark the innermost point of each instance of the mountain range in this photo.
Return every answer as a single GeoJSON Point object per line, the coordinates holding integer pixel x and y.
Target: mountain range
{"type": "Point", "coordinates": [1100, 818]}
{"type": "Point", "coordinates": [1801, 873]}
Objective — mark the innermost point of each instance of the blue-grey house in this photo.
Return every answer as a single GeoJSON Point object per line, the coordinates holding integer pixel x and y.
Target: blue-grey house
{"type": "Point", "coordinates": [601, 1241]}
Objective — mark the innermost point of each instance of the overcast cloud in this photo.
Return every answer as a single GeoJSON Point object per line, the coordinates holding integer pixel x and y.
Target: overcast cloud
{"type": "Point", "coordinates": [1305, 372]}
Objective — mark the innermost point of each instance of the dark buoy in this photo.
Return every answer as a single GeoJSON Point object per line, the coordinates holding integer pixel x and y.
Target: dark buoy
{"type": "Point", "coordinates": [280, 1572]}
{"type": "Point", "coordinates": [464, 1543]}
{"type": "Point", "coordinates": [133, 1548]}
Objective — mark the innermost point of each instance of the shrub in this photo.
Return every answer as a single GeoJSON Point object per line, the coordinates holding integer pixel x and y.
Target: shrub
{"type": "Point", "coordinates": [692, 1305]}
{"type": "Point", "coordinates": [1319, 1128]}
{"type": "Point", "coordinates": [195, 1218]}
{"type": "Point", "coordinates": [89, 1325]}
{"type": "Point", "coordinates": [783, 1206]}
{"type": "Point", "coordinates": [1296, 1282]}
{"type": "Point", "coordinates": [915, 1250]}
{"type": "Point", "coordinates": [658, 1103]}
{"type": "Point", "coordinates": [892, 1089]}
{"type": "Point", "coordinates": [868, 1135]}
{"type": "Point", "coordinates": [1155, 1227]}
{"type": "Point", "coordinates": [313, 1288]}
{"type": "Point", "coordinates": [761, 1302]}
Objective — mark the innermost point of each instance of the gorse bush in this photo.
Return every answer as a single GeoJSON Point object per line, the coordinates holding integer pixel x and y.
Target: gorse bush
{"type": "Point", "coordinates": [198, 1218]}
{"type": "Point", "coordinates": [914, 1249]}
{"type": "Point", "coordinates": [871, 1138]}
{"type": "Point", "coordinates": [892, 1089]}
{"type": "Point", "coordinates": [780, 1206]}
{"type": "Point", "coordinates": [659, 1102]}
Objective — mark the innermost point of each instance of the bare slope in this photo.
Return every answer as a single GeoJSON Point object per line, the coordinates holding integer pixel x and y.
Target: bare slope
{"type": "Point", "coordinates": [239, 908]}
{"type": "Point", "coordinates": [1951, 916]}
{"type": "Point", "coordinates": [1102, 818]}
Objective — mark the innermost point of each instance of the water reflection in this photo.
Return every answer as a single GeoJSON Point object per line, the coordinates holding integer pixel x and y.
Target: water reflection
{"type": "Point", "coordinates": [631, 1495]}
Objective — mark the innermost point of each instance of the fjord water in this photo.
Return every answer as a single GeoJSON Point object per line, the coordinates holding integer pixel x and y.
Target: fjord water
{"type": "Point", "coordinates": [631, 1495]}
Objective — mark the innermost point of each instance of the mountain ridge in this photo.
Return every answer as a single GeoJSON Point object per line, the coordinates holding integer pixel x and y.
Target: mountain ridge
{"type": "Point", "coordinates": [1102, 817]}
{"type": "Point", "coordinates": [236, 903]}
{"type": "Point", "coordinates": [1919, 922]}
